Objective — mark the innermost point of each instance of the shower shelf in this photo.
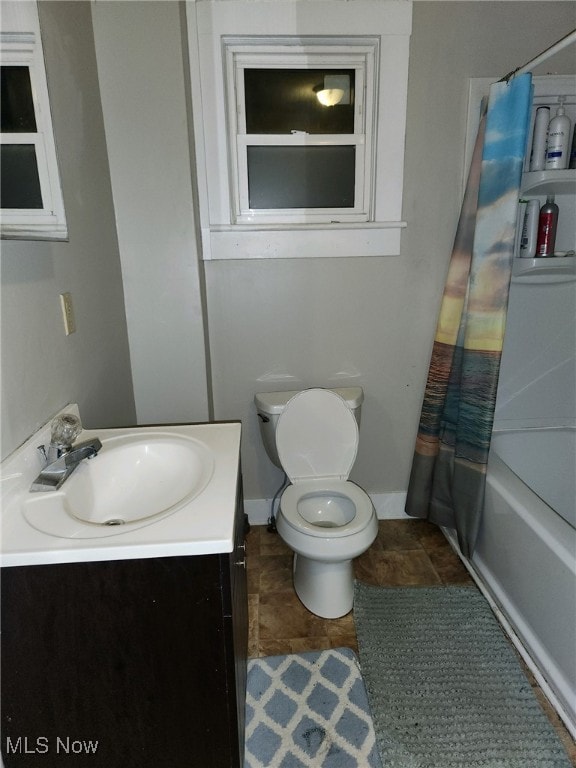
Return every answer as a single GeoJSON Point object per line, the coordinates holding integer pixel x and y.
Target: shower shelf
{"type": "Point", "coordinates": [559, 268]}
{"type": "Point", "coordinates": [549, 182]}
{"type": "Point", "coordinates": [555, 269]}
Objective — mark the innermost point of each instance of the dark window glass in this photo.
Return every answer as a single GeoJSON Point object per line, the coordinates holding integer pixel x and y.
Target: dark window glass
{"type": "Point", "coordinates": [284, 100]}
{"type": "Point", "coordinates": [20, 186]}
{"type": "Point", "coordinates": [301, 177]}
{"type": "Point", "coordinates": [17, 113]}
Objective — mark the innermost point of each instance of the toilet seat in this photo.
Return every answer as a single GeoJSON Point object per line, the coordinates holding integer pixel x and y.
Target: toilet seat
{"type": "Point", "coordinates": [293, 495]}
{"type": "Point", "coordinates": [317, 436]}
{"type": "Point", "coordinates": [317, 441]}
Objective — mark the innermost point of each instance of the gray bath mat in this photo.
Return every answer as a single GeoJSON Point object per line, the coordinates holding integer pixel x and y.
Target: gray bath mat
{"type": "Point", "coordinates": [308, 710]}
{"type": "Point", "coordinates": [444, 685]}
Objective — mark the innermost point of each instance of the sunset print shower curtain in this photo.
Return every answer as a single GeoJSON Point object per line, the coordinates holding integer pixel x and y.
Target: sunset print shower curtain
{"type": "Point", "coordinates": [449, 465]}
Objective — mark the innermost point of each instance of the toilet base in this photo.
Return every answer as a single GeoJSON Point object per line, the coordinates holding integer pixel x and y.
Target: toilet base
{"type": "Point", "coordinates": [325, 589]}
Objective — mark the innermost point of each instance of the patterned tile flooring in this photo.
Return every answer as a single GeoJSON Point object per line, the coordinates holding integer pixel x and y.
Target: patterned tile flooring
{"type": "Point", "coordinates": [405, 553]}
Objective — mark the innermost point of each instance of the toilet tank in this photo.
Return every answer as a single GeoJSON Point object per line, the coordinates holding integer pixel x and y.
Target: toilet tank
{"type": "Point", "coordinates": [270, 405]}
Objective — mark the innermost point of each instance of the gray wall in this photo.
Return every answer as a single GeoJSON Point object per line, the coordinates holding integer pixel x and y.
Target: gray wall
{"type": "Point", "coordinates": [371, 320]}
{"type": "Point", "coordinates": [141, 75]}
{"type": "Point", "coordinates": [42, 369]}
{"type": "Point", "coordinates": [271, 324]}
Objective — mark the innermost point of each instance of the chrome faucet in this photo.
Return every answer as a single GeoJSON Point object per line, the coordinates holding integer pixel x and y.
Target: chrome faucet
{"type": "Point", "coordinates": [61, 457]}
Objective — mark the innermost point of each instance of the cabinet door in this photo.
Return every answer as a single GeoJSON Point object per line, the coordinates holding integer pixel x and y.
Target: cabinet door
{"type": "Point", "coordinates": [235, 611]}
{"type": "Point", "coordinates": [132, 656]}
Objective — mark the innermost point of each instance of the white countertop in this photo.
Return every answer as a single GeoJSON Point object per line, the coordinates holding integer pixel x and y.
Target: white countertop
{"type": "Point", "coordinates": [204, 525]}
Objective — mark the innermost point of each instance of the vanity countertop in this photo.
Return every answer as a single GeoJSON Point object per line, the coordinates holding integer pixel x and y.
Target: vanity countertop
{"type": "Point", "coordinates": [203, 525]}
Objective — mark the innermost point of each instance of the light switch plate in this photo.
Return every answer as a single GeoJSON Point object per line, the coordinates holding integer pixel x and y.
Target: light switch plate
{"type": "Point", "coordinates": [68, 313]}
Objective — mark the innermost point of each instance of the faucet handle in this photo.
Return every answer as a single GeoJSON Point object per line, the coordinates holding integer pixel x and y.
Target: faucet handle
{"type": "Point", "coordinates": [65, 429]}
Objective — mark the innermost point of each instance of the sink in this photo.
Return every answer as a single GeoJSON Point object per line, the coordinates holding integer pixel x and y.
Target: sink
{"type": "Point", "coordinates": [135, 480]}
{"type": "Point", "coordinates": [152, 491]}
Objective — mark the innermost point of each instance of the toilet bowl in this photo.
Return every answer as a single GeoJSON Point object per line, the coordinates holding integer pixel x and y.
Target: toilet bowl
{"type": "Point", "coordinates": [326, 519]}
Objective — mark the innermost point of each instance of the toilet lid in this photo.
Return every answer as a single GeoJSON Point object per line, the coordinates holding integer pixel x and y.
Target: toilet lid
{"type": "Point", "coordinates": [317, 436]}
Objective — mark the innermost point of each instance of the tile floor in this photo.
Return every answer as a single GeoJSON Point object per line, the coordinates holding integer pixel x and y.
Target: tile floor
{"type": "Point", "coordinates": [406, 552]}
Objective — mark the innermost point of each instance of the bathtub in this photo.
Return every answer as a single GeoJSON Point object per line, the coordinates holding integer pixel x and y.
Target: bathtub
{"type": "Point", "coordinates": [525, 557]}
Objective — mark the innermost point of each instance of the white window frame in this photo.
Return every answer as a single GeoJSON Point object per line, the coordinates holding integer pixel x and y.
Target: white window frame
{"type": "Point", "coordinates": [21, 45]}
{"type": "Point", "coordinates": [226, 230]}
{"type": "Point", "coordinates": [294, 54]}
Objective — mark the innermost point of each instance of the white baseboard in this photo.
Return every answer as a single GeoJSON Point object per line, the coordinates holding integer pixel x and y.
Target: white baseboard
{"type": "Point", "coordinates": [388, 506]}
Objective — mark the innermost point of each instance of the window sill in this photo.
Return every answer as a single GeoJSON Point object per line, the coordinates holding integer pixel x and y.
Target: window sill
{"type": "Point", "coordinates": [27, 232]}
{"type": "Point", "coordinates": [248, 241]}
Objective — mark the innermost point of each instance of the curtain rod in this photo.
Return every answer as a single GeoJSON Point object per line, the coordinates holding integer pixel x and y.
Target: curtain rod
{"type": "Point", "coordinates": [562, 43]}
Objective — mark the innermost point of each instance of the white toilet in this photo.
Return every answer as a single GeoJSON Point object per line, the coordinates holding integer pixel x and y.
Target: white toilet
{"type": "Point", "coordinates": [323, 517]}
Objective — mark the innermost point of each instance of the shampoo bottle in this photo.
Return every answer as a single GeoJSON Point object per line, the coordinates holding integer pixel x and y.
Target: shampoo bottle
{"type": "Point", "coordinates": [529, 235]}
{"type": "Point", "coordinates": [572, 163]}
{"type": "Point", "coordinates": [539, 138]}
{"type": "Point", "coordinates": [547, 223]}
{"type": "Point", "coordinates": [558, 138]}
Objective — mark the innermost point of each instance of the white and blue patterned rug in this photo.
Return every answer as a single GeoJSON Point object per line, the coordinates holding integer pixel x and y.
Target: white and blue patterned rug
{"type": "Point", "coordinates": [309, 710]}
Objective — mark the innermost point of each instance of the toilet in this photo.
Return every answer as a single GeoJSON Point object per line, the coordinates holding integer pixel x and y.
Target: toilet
{"type": "Point", "coordinates": [326, 519]}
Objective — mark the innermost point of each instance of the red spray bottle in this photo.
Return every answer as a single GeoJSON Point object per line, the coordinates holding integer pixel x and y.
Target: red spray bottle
{"type": "Point", "coordinates": [547, 224]}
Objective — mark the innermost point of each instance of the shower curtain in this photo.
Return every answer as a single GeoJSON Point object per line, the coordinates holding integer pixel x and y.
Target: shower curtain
{"type": "Point", "coordinates": [449, 465]}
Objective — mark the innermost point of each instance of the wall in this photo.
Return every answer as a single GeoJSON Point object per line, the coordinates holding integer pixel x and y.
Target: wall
{"type": "Point", "coordinates": [271, 324]}
{"type": "Point", "coordinates": [298, 323]}
{"type": "Point", "coordinates": [42, 369]}
{"type": "Point", "coordinates": [141, 75]}
{"type": "Point", "coordinates": [537, 384]}
{"type": "Point", "coordinates": [538, 373]}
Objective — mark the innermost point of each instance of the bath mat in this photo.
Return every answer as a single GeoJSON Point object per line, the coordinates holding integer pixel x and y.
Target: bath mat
{"type": "Point", "coordinates": [308, 710]}
{"type": "Point", "coordinates": [445, 687]}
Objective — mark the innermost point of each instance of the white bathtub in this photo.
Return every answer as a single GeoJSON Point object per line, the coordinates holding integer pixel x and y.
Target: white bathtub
{"type": "Point", "coordinates": [525, 557]}
{"type": "Point", "coordinates": [545, 459]}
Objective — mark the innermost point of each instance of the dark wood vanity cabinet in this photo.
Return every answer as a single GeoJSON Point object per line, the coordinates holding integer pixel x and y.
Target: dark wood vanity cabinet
{"type": "Point", "coordinates": [126, 663]}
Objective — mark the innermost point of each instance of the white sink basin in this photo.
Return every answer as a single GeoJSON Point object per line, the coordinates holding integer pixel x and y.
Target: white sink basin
{"type": "Point", "coordinates": [134, 480]}
{"type": "Point", "coordinates": [159, 491]}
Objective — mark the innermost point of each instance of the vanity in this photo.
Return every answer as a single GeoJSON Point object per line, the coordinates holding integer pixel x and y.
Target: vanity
{"type": "Point", "coordinates": [126, 649]}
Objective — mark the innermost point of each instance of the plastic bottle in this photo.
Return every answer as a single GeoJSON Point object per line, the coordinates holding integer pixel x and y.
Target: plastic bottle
{"type": "Point", "coordinates": [573, 152]}
{"type": "Point", "coordinates": [547, 224]}
{"type": "Point", "coordinates": [558, 138]}
{"type": "Point", "coordinates": [529, 236]}
{"type": "Point", "coordinates": [539, 138]}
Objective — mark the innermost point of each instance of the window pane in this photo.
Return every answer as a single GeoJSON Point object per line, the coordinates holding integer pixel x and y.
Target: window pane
{"type": "Point", "coordinates": [20, 186]}
{"type": "Point", "coordinates": [301, 177]}
{"type": "Point", "coordinates": [284, 100]}
{"type": "Point", "coordinates": [17, 115]}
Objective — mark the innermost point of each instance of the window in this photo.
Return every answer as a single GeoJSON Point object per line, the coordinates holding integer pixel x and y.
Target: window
{"type": "Point", "coordinates": [280, 175]}
{"type": "Point", "coordinates": [300, 121]}
{"type": "Point", "coordinates": [30, 195]}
